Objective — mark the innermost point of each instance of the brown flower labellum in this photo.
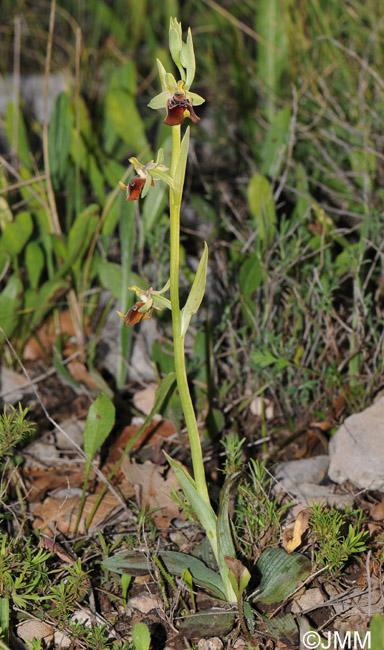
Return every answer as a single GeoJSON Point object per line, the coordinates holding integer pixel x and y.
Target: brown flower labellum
{"type": "Point", "coordinates": [134, 187]}
{"type": "Point", "coordinates": [176, 107]}
{"type": "Point", "coordinates": [135, 316]}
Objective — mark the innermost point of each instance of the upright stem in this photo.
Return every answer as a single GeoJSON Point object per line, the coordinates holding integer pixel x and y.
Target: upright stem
{"type": "Point", "coordinates": [178, 339]}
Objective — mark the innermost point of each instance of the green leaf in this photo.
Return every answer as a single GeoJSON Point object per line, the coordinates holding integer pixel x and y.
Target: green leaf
{"type": "Point", "coordinates": [264, 359]}
{"type": "Point", "coordinates": [376, 628]}
{"type": "Point", "coordinates": [273, 153]}
{"type": "Point", "coordinates": [280, 574]}
{"type": "Point", "coordinates": [208, 623]}
{"type": "Point", "coordinates": [16, 234]}
{"type": "Point", "coordinates": [79, 237]}
{"type": "Point", "coordinates": [262, 207]}
{"type": "Point", "coordinates": [111, 277]}
{"type": "Point", "coordinates": [224, 536]}
{"type": "Point", "coordinates": [10, 303]}
{"type": "Point", "coordinates": [99, 423]}
{"type": "Point", "coordinates": [178, 180]}
{"type": "Point", "coordinates": [239, 575]}
{"type": "Point", "coordinates": [45, 298]}
{"type": "Point", "coordinates": [202, 509]}
{"type": "Point", "coordinates": [273, 57]}
{"type": "Point", "coordinates": [283, 629]}
{"type": "Point", "coordinates": [59, 138]}
{"type": "Point", "coordinates": [34, 261]}
{"type": "Point", "coordinates": [122, 119]}
{"type": "Point", "coordinates": [141, 637]}
{"type": "Point", "coordinates": [196, 293]}
{"type": "Point", "coordinates": [13, 114]}
{"type": "Point", "coordinates": [135, 562]}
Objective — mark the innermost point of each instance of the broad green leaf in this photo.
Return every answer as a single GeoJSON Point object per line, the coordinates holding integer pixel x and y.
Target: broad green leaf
{"type": "Point", "coordinates": [280, 573]}
{"type": "Point", "coordinates": [273, 57]}
{"type": "Point", "coordinates": [122, 119]}
{"type": "Point", "coordinates": [16, 234]}
{"type": "Point", "coordinates": [153, 206]}
{"type": "Point", "coordinates": [34, 261]}
{"type": "Point", "coordinates": [135, 562]}
{"type": "Point", "coordinates": [10, 303]}
{"type": "Point", "coordinates": [59, 138]}
{"type": "Point", "coordinates": [196, 293]}
{"type": "Point", "coordinates": [46, 297]}
{"type": "Point", "coordinates": [376, 628]}
{"type": "Point", "coordinates": [208, 623]}
{"type": "Point", "coordinates": [178, 180]}
{"type": "Point", "coordinates": [238, 574]}
{"type": "Point", "coordinates": [264, 359]}
{"type": "Point", "coordinates": [79, 237]}
{"type": "Point", "coordinates": [141, 637]}
{"type": "Point", "coordinates": [224, 536]}
{"type": "Point", "coordinates": [274, 151]}
{"type": "Point", "coordinates": [262, 207]}
{"type": "Point", "coordinates": [202, 509]}
{"type": "Point", "coordinates": [99, 423]}
{"type": "Point", "coordinates": [96, 178]}
{"type": "Point", "coordinates": [283, 629]}
{"type": "Point", "coordinates": [21, 146]}
{"type": "Point", "coordinates": [111, 277]}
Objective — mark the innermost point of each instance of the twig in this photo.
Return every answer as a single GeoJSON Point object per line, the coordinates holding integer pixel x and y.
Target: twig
{"type": "Point", "coordinates": [52, 215]}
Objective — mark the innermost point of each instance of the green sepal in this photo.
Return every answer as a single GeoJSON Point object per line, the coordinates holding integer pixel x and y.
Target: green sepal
{"type": "Point", "coordinates": [160, 100]}
{"type": "Point", "coordinates": [196, 293]}
{"type": "Point", "coordinates": [163, 176]}
{"type": "Point", "coordinates": [187, 58]}
{"type": "Point", "coordinates": [176, 44]}
{"type": "Point", "coordinates": [196, 99]}
{"type": "Point", "coordinates": [170, 81]}
{"type": "Point", "coordinates": [159, 302]}
{"type": "Point", "coordinates": [147, 186]}
{"type": "Point", "coordinates": [162, 73]}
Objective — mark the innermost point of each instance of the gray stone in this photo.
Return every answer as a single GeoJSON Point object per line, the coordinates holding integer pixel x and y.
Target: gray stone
{"type": "Point", "coordinates": [306, 470]}
{"type": "Point", "coordinates": [357, 449]}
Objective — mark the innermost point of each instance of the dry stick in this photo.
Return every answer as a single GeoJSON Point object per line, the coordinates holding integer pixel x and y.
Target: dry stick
{"type": "Point", "coordinates": [16, 85]}
{"type": "Point", "coordinates": [52, 215]}
{"type": "Point", "coordinates": [55, 424]}
{"type": "Point", "coordinates": [17, 186]}
{"type": "Point", "coordinates": [14, 173]}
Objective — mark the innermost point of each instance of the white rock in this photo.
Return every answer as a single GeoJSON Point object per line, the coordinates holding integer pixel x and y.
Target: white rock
{"type": "Point", "coordinates": [357, 449]}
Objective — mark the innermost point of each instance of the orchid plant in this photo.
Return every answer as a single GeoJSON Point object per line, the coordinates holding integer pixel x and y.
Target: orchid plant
{"type": "Point", "coordinates": [179, 102]}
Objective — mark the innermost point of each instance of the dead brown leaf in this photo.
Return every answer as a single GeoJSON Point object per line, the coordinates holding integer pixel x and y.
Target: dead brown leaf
{"type": "Point", "coordinates": [377, 510]}
{"type": "Point", "coordinates": [153, 490]}
{"type": "Point", "coordinates": [59, 513]}
{"type": "Point", "coordinates": [155, 433]}
{"type": "Point", "coordinates": [292, 536]}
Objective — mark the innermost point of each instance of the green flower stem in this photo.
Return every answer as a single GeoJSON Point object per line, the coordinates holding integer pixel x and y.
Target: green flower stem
{"type": "Point", "coordinates": [178, 339]}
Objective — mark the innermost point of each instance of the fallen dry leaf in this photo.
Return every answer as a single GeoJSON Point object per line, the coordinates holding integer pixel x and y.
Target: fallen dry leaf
{"type": "Point", "coordinates": [377, 510]}
{"type": "Point", "coordinates": [292, 536]}
{"type": "Point", "coordinates": [153, 489]}
{"type": "Point", "coordinates": [39, 346]}
{"type": "Point", "coordinates": [144, 400]}
{"type": "Point", "coordinates": [32, 629]}
{"type": "Point", "coordinates": [59, 513]}
{"type": "Point", "coordinates": [155, 433]}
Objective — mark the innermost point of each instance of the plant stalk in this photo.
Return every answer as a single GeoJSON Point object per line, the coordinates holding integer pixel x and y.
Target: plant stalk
{"type": "Point", "coordinates": [178, 339]}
